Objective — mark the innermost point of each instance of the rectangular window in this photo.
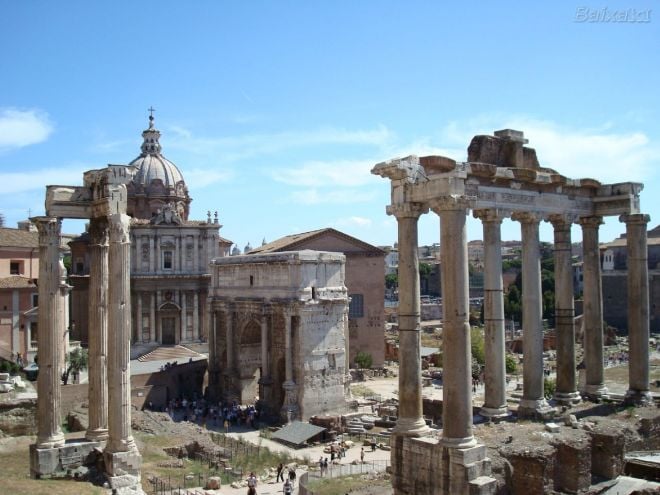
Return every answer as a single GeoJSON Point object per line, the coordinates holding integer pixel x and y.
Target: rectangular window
{"type": "Point", "coordinates": [356, 306]}
{"type": "Point", "coordinates": [167, 260]}
{"type": "Point", "coordinates": [34, 340]}
{"type": "Point", "coordinates": [15, 267]}
{"type": "Point", "coordinates": [35, 301]}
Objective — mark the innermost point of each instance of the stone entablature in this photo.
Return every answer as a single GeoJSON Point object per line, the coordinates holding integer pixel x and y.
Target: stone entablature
{"type": "Point", "coordinates": [285, 315]}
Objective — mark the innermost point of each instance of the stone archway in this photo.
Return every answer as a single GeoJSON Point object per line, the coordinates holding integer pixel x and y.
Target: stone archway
{"type": "Point", "coordinates": [249, 361]}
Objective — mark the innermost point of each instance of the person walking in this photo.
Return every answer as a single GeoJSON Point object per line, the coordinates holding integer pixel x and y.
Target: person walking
{"type": "Point", "coordinates": [288, 488]}
{"type": "Point", "coordinates": [280, 472]}
{"type": "Point", "coordinates": [362, 454]}
{"type": "Point", "coordinates": [252, 484]}
{"type": "Point", "coordinates": [292, 476]}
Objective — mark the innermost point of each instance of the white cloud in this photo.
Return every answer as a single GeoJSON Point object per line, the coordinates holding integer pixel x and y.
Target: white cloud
{"type": "Point", "coordinates": [199, 178]}
{"type": "Point", "coordinates": [234, 148]}
{"type": "Point", "coordinates": [19, 128]}
{"type": "Point", "coordinates": [354, 222]}
{"type": "Point", "coordinates": [326, 173]}
{"type": "Point", "coordinates": [34, 180]}
{"type": "Point", "coordinates": [338, 196]}
{"type": "Point", "coordinates": [600, 152]}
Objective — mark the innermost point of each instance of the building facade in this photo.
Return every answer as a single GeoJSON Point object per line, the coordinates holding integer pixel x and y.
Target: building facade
{"type": "Point", "coordinates": [170, 254]}
{"type": "Point", "coordinates": [364, 280]}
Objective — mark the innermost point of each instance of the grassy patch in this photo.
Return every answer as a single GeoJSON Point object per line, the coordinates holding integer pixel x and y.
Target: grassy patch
{"type": "Point", "coordinates": [348, 484]}
{"type": "Point", "coordinates": [360, 390]}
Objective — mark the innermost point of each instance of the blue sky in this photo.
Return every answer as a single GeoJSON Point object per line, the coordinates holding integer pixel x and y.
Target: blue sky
{"type": "Point", "coordinates": [276, 111]}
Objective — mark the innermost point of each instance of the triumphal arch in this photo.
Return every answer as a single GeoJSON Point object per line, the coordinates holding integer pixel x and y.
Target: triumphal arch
{"type": "Point", "coordinates": [102, 200]}
{"type": "Point", "coordinates": [502, 178]}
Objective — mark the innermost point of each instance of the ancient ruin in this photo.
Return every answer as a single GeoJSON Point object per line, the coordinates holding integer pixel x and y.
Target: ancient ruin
{"type": "Point", "coordinates": [279, 332]}
{"type": "Point", "coordinates": [102, 199]}
{"type": "Point", "coordinates": [502, 178]}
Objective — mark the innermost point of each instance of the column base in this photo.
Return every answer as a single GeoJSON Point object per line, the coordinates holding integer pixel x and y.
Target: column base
{"type": "Point", "coordinates": [97, 435]}
{"type": "Point", "coordinates": [594, 392]}
{"type": "Point", "coordinates": [57, 462]}
{"type": "Point", "coordinates": [567, 398]}
{"type": "Point", "coordinates": [411, 427]}
{"type": "Point", "coordinates": [51, 442]}
{"type": "Point", "coordinates": [494, 412]}
{"type": "Point", "coordinates": [535, 409]}
{"type": "Point", "coordinates": [459, 443]}
{"type": "Point", "coordinates": [638, 397]}
{"type": "Point", "coordinates": [120, 464]}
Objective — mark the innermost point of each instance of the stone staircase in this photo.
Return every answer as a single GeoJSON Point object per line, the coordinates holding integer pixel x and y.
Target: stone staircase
{"type": "Point", "coordinates": [170, 353]}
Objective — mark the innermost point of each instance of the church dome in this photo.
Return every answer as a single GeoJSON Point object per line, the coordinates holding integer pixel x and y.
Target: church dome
{"type": "Point", "coordinates": [157, 181]}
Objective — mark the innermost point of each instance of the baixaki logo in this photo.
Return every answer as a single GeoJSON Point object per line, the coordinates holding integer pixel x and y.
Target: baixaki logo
{"type": "Point", "coordinates": [605, 15]}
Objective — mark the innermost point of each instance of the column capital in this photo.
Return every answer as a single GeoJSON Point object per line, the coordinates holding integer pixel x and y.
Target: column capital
{"type": "Point", "coordinates": [407, 210]}
{"type": "Point", "coordinates": [119, 226]}
{"type": "Point", "coordinates": [98, 232]}
{"type": "Point", "coordinates": [449, 203]}
{"type": "Point", "coordinates": [562, 220]}
{"type": "Point", "coordinates": [491, 215]}
{"type": "Point", "coordinates": [591, 222]}
{"type": "Point", "coordinates": [48, 227]}
{"type": "Point", "coordinates": [635, 218]}
{"type": "Point", "coordinates": [527, 217]}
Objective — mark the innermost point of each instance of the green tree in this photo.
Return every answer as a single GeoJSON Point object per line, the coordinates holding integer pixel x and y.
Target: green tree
{"type": "Point", "coordinates": [363, 359]}
{"type": "Point", "coordinates": [510, 363]}
{"type": "Point", "coordinates": [549, 387]}
{"type": "Point", "coordinates": [478, 345]}
{"type": "Point", "coordinates": [391, 280]}
{"type": "Point", "coordinates": [77, 360]}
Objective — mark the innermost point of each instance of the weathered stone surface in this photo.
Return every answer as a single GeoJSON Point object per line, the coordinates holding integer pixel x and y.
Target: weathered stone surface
{"type": "Point", "coordinates": [607, 451]}
{"type": "Point", "coordinates": [437, 164]}
{"type": "Point", "coordinates": [532, 469]}
{"type": "Point", "coordinates": [18, 417]}
{"type": "Point", "coordinates": [573, 458]}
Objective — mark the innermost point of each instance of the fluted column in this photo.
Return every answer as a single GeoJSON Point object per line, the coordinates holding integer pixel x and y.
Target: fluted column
{"type": "Point", "coordinates": [533, 401]}
{"type": "Point", "coordinates": [593, 309]}
{"type": "Point", "coordinates": [119, 332]}
{"type": "Point", "coordinates": [495, 379]}
{"type": "Point", "coordinates": [98, 331]}
{"type": "Point", "coordinates": [195, 315]}
{"type": "Point", "coordinates": [265, 345]}
{"type": "Point", "coordinates": [290, 408]}
{"type": "Point", "coordinates": [566, 390]}
{"type": "Point", "coordinates": [184, 316]}
{"type": "Point", "coordinates": [410, 422]}
{"type": "Point", "coordinates": [638, 308]}
{"type": "Point", "coordinates": [457, 357]}
{"type": "Point", "coordinates": [152, 317]}
{"type": "Point", "coordinates": [51, 330]}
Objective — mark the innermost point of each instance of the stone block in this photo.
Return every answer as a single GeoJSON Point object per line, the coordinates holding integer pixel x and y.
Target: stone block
{"type": "Point", "coordinates": [122, 463]}
{"type": "Point", "coordinates": [573, 455]}
{"type": "Point", "coordinates": [483, 485]}
{"type": "Point", "coordinates": [213, 483]}
{"type": "Point", "coordinates": [532, 469]}
{"type": "Point", "coordinates": [57, 461]}
{"type": "Point", "coordinates": [552, 427]}
{"type": "Point", "coordinates": [469, 455]}
{"type": "Point", "coordinates": [607, 450]}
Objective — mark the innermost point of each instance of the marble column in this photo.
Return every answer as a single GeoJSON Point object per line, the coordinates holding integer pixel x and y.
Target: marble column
{"type": "Point", "coordinates": [51, 330]}
{"type": "Point", "coordinates": [566, 390]}
{"type": "Point", "coordinates": [265, 380]}
{"type": "Point", "coordinates": [153, 257]}
{"type": "Point", "coordinates": [230, 371]}
{"type": "Point", "coordinates": [152, 317]}
{"type": "Point", "coordinates": [290, 408]}
{"type": "Point", "coordinates": [347, 356]}
{"type": "Point", "coordinates": [593, 309]}
{"type": "Point", "coordinates": [184, 316]}
{"type": "Point", "coordinates": [456, 350]}
{"type": "Point", "coordinates": [638, 308]}
{"type": "Point", "coordinates": [119, 333]}
{"type": "Point", "coordinates": [411, 421]}
{"type": "Point", "coordinates": [138, 317]}
{"type": "Point", "coordinates": [195, 315]}
{"type": "Point", "coordinates": [495, 400]}
{"type": "Point", "coordinates": [533, 402]}
{"type": "Point", "coordinates": [98, 331]}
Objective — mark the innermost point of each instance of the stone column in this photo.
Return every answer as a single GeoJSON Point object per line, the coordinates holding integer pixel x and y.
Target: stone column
{"type": "Point", "coordinates": [119, 332]}
{"type": "Point", "coordinates": [195, 258]}
{"type": "Point", "coordinates": [566, 391]}
{"type": "Point", "coordinates": [593, 309]}
{"type": "Point", "coordinates": [51, 330]}
{"type": "Point", "coordinates": [230, 371]}
{"type": "Point", "coordinates": [347, 356]}
{"type": "Point", "coordinates": [638, 308]}
{"type": "Point", "coordinates": [184, 316]}
{"type": "Point", "coordinates": [410, 422]}
{"type": "Point", "coordinates": [495, 400]}
{"type": "Point", "coordinates": [158, 263]}
{"type": "Point", "coordinates": [138, 317]}
{"type": "Point", "coordinates": [152, 254]}
{"type": "Point", "coordinates": [98, 331]}
{"type": "Point", "coordinates": [265, 380]}
{"type": "Point", "coordinates": [195, 315]}
{"type": "Point", "coordinates": [152, 317]}
{"type": "Point", "coordinates": [533, 402]}
{"type": "Point", "coordinates": [290, 408]}
{"type": "Point", "coordinates": [457, 363]}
